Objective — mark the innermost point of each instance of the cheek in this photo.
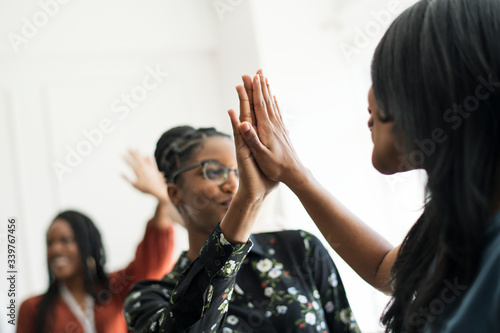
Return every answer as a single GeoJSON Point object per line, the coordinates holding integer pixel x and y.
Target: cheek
{"type": "Point", "coordinates": [385, 157]}
{"type": "Point", "coordinates": [75, 253]}
{"type": "Point", "coordinates": [198, 199]}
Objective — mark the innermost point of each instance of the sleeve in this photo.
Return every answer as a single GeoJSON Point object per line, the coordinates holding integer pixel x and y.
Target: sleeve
{"type": "Point", "coordinates": [153, 259]}
{"type": "Point", "coordinates": [338, 314]}
{"type": "Point", "coordinates": [199, 300]}
{"type": "Point", "coordinates": [26, 318]}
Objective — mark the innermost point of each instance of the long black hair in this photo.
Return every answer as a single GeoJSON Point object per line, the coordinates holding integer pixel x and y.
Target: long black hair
{"type": "Point", "coordinates": [177, 145]}
{"type": "Point", "coordinates": [436, 74]}
{"type": "Point", "coordinates": [88, 240]}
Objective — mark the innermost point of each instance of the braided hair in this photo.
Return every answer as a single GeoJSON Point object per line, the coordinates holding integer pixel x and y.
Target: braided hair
{"type": "Point", "coordinates": [88, 240]}
{"type": "Point", "coordinates": [177, 145]}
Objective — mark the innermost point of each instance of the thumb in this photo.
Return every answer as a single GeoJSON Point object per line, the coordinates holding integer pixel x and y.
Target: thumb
{"type": "Point", "coordinates": [252, 139]}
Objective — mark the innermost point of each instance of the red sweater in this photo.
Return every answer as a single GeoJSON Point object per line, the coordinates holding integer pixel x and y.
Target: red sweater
{"type": "Point", "coordinates": [153, 259]}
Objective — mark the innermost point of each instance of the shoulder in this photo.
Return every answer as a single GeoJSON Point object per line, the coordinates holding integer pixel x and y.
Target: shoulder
{"type": "Point", "coordinates": [32, 301]}
{"type": "Point", "coordinates": [30, 306]}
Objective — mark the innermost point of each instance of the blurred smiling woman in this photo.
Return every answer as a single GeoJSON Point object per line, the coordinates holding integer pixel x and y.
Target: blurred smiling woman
{"type": "Point", "coordinates": [81, 296]}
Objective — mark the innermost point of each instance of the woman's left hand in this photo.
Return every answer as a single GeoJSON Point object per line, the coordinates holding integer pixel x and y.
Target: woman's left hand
{"type": "Point", "coordinates": [254, 185]}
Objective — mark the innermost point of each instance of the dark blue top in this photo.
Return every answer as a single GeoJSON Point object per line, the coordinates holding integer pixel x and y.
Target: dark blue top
{"type": "Point", "coordinates": [479, 310]}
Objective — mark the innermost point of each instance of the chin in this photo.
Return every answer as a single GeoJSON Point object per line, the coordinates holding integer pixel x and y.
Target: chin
{"type": "Point", "coordinates": [384, 168]}
{"type": "Point", "coordinates": [62, 275]}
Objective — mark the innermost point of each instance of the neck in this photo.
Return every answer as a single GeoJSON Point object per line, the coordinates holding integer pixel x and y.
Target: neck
{"type": "Point", "coordinates": [76, 286]}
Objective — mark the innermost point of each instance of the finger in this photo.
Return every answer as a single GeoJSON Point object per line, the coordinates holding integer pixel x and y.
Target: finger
{"type": "Point", "coordinates": [238, 139]}
{"type": "Point", "coordinates": [261, 116]}
{"type": "Point", "coordinates": [245, 110]}
{"type": "Point", "coordinates": [235, 124]}
{"type": "Point", "coordinates": [130, 161]}
{"type": "Point", "coordinates": [252, 140]}
{"type": "Point", "coordinates": [139, 159]}
{"type": "Point", "coordinates": [278, 111]}
{"type": "Point", "coordinates": [150, 161]}
{"type": "Point", "coordinates": [267, 96]}
{"type": "Point", "coordinates": [247, 83]}
{"type": "Point", "coordinates": [271, 99]}
{"type": "Point", "coordinates": [130, 181]}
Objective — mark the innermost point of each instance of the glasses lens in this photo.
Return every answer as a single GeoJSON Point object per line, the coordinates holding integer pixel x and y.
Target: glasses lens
{"type": "Point", "coordinates": [216, 172]}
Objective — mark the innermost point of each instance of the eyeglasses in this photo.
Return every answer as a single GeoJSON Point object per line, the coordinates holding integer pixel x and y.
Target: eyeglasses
{"type": "Point", "coordinates": [213, 170]}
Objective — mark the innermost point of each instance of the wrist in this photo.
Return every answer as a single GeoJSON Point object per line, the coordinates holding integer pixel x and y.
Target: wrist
{"type": "Point", "coordinates": [249, 198]}
{"type": "Point", "coordinates": [297, 177]}
{"type": "Point", "coordinates": [238, 222]}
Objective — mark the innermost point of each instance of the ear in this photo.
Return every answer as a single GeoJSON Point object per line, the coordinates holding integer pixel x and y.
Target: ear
{"type": "Point", "coordinates": [175, 194]}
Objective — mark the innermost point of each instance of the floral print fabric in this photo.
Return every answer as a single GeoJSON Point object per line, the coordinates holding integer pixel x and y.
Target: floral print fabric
{"type": "Point", "coordinates": [286, 282]}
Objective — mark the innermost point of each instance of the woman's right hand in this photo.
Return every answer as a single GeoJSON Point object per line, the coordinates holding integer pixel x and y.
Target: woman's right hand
{"type": "Point", "coordinates": [148, 178]}
{"type": "Point", "coordinates": [265, 133]}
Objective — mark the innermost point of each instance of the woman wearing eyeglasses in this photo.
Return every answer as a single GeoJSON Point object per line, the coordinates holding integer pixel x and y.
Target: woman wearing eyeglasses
{"type": "Point", "coordinates": [285, 282]}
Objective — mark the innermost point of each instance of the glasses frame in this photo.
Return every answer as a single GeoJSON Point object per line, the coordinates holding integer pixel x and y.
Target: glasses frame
{"type": "Point", "coordinates": [203, 165]}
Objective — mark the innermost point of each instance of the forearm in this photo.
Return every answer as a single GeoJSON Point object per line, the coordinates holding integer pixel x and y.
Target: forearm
{"type": "Point", "coordinates": [165, 215]}
{"type": "Point", "coordinates": [367, 252]}
{"type": "Point", "coordinates": [238, 222]}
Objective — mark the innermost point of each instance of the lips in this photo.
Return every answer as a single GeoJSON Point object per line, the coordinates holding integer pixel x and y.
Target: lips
{"type": "Point", "coordinates": [226, 203]}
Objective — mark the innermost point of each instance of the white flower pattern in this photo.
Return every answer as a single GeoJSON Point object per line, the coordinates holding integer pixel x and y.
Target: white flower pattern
{"type": "Point", "coordinates": [223, 240]}
{"type": "Point", "coordinates": [268, 291]}
{"type": "Point", "coordinates": [228, 267]}
{"type": "Point", "coordinates": [345, 316]}
{"type": "Point", "coordinates": [281, 309]}
{"type": "Point", "coordinates": [264, 265]}
{"type": "Point", "coordinates": [232, 320]}
{"type": "Point", "coordinates": [332, 280]}
{"type": "Point", "coordinates": [278, 280]}
{"type": "Point", "coordinates": [274, 273]}
{"type": "Point", "coordinates": [310, 318]}
{"type": "Point", "coordinates": [302, 299]}
{"type": "Point", "coordinates": [329, 307]}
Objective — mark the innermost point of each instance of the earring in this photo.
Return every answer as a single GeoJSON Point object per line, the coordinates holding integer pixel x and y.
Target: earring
{"type": "Point", "coordinates": [91, 264]}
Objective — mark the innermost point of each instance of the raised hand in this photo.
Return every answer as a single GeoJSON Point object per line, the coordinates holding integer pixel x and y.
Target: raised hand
{"type": "Point", "coordinates": [253, 183]}
{"type": "Point", "coordinates": [264, 132]}
{"type": "Point", "coordinates": [147, 177]}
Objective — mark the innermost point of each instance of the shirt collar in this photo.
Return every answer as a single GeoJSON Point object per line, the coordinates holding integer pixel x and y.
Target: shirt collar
{"type": "Point", "coordinates": [256, 248]}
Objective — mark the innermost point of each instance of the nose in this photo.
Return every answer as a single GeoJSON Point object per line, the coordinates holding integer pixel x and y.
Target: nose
{"type": "Point", "coordinates": [370, 120]}
{"type": "Point", "coordinates": [231, 185]}
{"type": "Point", "coordinates": [55, 248]}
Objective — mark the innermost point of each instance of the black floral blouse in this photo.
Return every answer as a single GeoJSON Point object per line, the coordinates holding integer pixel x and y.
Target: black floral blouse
{"type": "Point", "coordinates": [285, 282]}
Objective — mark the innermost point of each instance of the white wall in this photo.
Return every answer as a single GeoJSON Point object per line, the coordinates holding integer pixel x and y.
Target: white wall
{"type": "Point", "coordinates": [64, 79]}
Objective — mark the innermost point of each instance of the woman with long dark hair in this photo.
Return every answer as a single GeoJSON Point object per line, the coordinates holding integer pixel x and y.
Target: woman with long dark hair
{"type": "Point", "coordinates": [434, 105]}
{"type": "Point", "coordinates": [81, 296]}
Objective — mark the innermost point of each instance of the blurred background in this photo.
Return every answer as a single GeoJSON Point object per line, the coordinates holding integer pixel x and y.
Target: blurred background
{"type": "Point", "coordinates": [83, 81]}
